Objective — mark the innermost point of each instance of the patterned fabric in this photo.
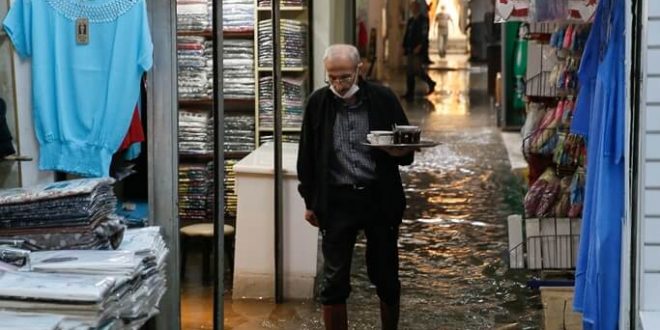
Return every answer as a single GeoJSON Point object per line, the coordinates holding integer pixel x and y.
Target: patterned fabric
{"type": "Point", "coordinates": [352, 162]}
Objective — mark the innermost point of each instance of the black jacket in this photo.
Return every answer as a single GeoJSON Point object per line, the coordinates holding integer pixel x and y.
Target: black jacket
{"type": "Point", "coordinates": [316, 146]}
{"type": "Point", "coordinates": [417, 33]}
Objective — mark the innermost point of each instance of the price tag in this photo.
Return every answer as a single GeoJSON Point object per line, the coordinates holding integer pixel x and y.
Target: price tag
{"type": "Point", "coordinates": [82, 31]}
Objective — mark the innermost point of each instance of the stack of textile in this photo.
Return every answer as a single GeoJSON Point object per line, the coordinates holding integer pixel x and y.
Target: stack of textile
{"type": "Point", "coordinates": [238, 70]}
{"type": "Point", "coordinates": [283, 3]}
{"type": "Point", "coordinates": [239, 133]}
{"type": "Point", "coordinates": [84, 301]}
{"type": "Point", "coordinates": [238, 15]}
{"type": "Point", "coordinates": [293, 40]}
{"type": "Point", "coordinates": [208, 57]}
{"type": "Point", "coordinates": [293, 102]}
{"type": "Point", "coordinates": [193, 192]}
{"type": "Point", "coordinates": [76, 214]}
{"type": "Point", "coordinates": [195, 133]}
{"type": "Point", "coordinates": [13, 320]}
{"type": "Point", "coordinates": [90, 289]}
{"type": "Point", "coordinates": [230, 198]}
{"type": "Point", "coordinates": [195, 61]}
{"type": "Point", "coordinates": [286, 138]}
{"type": "Point", "coordinates": [193, 15]}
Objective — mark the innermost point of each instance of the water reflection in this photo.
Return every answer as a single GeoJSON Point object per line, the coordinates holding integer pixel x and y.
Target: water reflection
{"type": "Point", "coordinates": [453, 237]}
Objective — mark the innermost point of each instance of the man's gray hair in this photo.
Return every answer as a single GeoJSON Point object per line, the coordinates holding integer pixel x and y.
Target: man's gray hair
{"type": "Point", "coordinates": [342, 50]}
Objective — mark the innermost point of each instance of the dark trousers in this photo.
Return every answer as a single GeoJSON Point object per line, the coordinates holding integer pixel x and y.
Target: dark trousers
{"type": "Point", "coordinates": [415, 68]}
{"type": "Point", "coordinates": [350, 211]}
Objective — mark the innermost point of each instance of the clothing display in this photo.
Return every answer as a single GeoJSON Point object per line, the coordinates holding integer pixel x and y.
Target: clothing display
{"type": "Point", "coordinates": [230, 197]}
{"type": "Point", "coordinates": [193, 15]}
{"type": "Point", "coordinates": [601, 109]}
{"type": "Point", "coordinates": [238, 69]}
{"type": "Point", "coordinates": [286, 138]}
{"type": "Point", "coordinates": [135, 132]}
{"type": "Point", "coordinates": [286, 3]}
{"type": "Point", "coordinates": [293, 102]}
{"type": "Point", "coordinates": [82, 111]}
{"type": "Point", "coordinates": [195, 59]}
{"type": "Point", "coordinates": [12, 321]}
{"type": "Point", "coordinates": [81, 289]}
{"type": "Point", "coordinates": [293, 43]}
{"type": "Point", "coordinates": [237, 15]}
{"type": "Point", "coordinates": [239, 133]}
{"type": "Point", "coordinates": [193, 193]}
{"type": "Point", "coordinates": [76, 214]}
{"type": "Point", "coordinates": [195, 133]}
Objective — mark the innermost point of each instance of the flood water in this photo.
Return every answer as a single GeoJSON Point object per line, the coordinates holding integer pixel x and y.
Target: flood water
{"type": "Point", "coordinates": [453, 241]}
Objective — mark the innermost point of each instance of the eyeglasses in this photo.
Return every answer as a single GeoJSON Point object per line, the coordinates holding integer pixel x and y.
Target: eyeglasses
{"type": "Point", "coordinates": [343, 79]}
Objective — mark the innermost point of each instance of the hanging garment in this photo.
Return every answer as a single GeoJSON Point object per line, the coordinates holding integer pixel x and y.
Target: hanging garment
{"type": "Point", "coordinates": [135, 132]}
{"type": "Point", "coordinates": [87, 62]}
{"type": "Point", "coordinates": [6, 147]}
{"type": "Point", "coordinates": [598, 269]}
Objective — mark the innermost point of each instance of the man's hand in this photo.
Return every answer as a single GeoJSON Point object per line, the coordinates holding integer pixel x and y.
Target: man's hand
{"type": "Point", "coordinates": [417, 49]}
{"type": "Point", "coordinates": [311, 218]}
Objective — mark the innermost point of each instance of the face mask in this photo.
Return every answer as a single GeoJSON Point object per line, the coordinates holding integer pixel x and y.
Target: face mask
{"type": "Point", "coordinates": [350, 92]}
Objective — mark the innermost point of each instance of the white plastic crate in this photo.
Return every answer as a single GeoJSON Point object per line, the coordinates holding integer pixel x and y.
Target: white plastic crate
{"type": "Point", "coordinates": [548, 243]}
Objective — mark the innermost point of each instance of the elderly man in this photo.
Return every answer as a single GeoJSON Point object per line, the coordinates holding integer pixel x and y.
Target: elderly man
{"type": "Point", "coordinates": [349, 187]}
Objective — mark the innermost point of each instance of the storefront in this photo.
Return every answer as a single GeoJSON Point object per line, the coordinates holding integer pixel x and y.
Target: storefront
{"type": "Point", "coordinates": [179, 93]}
{"type": "Point", "coordinates": [634, 238]}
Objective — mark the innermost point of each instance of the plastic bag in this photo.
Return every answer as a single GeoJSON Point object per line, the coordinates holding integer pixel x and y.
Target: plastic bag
{"type": "Point", "coordinates": [549, 196]}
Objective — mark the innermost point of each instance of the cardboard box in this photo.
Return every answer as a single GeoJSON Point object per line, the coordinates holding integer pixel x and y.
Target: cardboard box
{"type": "Point", "coordinates": [558, 311]}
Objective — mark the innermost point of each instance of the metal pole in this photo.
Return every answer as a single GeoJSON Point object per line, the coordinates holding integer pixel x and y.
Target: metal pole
{"type": "Point", "coordinates": [277, 110]}
{"type": "Point", "coordinates": [219, 166]}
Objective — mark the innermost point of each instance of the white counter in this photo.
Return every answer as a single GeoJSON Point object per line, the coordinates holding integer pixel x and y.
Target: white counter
{"type": "Point", "coordinates": [254, 263]}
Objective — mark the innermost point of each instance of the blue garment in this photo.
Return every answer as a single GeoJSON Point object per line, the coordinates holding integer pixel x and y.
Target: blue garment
{"type": "Point", "coordinates": [83, 95]}
{"type": "Point", "coordinates": [598, 270]}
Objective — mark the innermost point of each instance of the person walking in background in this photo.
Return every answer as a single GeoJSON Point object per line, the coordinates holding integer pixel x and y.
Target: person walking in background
{"type": "Point", "coordinates": [442, 20]}
{"type": "Point", "coordinates": [415, 41]}
{"type": "Point", "coordinates": [349, 187]}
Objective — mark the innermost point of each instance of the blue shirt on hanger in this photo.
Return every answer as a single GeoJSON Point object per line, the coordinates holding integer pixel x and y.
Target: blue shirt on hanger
{"type": "Point", "coordinates": [598, 269]}
{"type": "Point", "coordinates": [83, 93]}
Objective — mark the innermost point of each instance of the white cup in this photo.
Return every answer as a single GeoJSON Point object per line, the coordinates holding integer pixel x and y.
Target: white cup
{"type": "Point", "coordinates": [380, 137]}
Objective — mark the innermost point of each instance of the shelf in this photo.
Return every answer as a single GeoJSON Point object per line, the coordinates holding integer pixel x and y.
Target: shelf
{"type": "Point", "coordinates": [284, 129]}
{"type": "Point", "coordinates": [238, 34]}
{"type": "Point", "coordinates": [195, 157]}
{"type": "Point", "coordinates": [188, 158]}
{"type": "Point", "coordinates": [209, 34]}
{"type": "Point", "coordinates": [233, 103]}
{"type": "Point", "coordinates": [297, 69]}
{"type": "Point", "coordinates": [236, 154]}
{"type": "Point", "coordinates": [193, 33]}
{"type": "Point", "coordinates": [16, 158]}
{"type": "Point", "coordinates": [285, 8]}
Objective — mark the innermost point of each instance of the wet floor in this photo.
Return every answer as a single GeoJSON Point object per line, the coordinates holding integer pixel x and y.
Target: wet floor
{"type": "Point", "coordinates": [454, 237]}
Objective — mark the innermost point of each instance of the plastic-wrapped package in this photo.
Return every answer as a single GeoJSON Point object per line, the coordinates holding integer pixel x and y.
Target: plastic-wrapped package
{"type": "Point", "coordinates": [563, 204]}
{"type": "Point", "coordinates": [577, 194]}
{"type": "Point", "coordinates": [536, 191]}
{"type": "Point", "coordinates": [549, 196]}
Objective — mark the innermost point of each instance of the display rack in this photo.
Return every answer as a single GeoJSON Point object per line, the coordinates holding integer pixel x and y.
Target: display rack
{"type": "Point", "coordinates": [300, 72]}
{"type": "Point", "coordinates": [546, 236]}
{"type": "Point", "coordinates": [204, 104]}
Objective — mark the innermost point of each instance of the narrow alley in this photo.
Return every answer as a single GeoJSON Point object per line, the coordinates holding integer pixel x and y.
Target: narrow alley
{"type": "Point", "coordinates": [453, 241]}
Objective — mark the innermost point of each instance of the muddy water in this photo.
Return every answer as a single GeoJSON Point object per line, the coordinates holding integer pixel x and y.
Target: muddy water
{"type": "Point", "coordinates": [454, 238]}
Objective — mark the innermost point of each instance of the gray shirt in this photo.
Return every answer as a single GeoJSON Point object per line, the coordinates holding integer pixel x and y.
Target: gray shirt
{"type": "Point", "coordinates": [352, 162]}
